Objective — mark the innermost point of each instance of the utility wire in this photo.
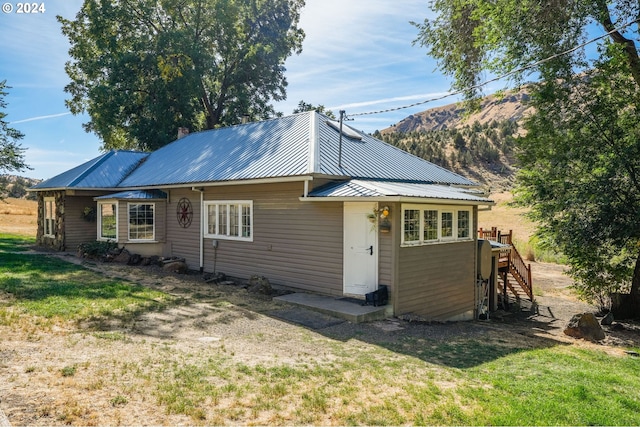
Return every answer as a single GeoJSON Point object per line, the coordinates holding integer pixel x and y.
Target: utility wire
{"type": "Point", "coordinates": [510, 73]}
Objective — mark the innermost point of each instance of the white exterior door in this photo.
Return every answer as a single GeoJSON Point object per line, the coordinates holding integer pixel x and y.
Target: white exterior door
{"type": "Point", "coordinates": [360, 249]}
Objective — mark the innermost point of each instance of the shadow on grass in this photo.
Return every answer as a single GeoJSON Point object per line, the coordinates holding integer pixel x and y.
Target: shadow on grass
{"type": "Point", "coordinates": [49, 287]}
{"type": "Point", "coordinates": [11, 243]}
{"type": "Point", "coordinates": [456, 344]}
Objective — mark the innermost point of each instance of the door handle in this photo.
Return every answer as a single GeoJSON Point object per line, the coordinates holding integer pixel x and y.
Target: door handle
{"type": "Point", "coordinates": [370, 249]}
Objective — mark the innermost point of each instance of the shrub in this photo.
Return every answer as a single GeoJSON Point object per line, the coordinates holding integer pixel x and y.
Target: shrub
{"type": "Point", "coordinates": [95, 249]}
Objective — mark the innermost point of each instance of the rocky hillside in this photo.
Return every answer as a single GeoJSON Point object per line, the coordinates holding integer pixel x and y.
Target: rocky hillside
{"type": "Point", "coordinates": [16, 186]}
{"type": "Point", "coordinates": [479, 146]}
{"type": "Point", "coordinates": [507, 106]}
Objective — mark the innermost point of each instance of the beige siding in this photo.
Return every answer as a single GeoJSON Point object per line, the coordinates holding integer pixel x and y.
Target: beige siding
{"type": "Point", "coordinates": [183, 241]}
{"type": "Point", "coordinates": [142, 248]}
{"type": "Point", "coordinates": [437, 281]}
{"type": "Point", "coordinates": [77, 229]}
{"type": "Point", "coordinates": [296, 244]}
{"type": "Point", "coordinates": [387, 243]}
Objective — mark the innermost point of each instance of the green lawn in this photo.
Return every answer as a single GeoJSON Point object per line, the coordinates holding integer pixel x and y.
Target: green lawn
{"type": "Point", "coordinates": [362, 378]}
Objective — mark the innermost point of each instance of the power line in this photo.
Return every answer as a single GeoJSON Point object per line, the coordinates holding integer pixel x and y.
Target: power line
{"type": "Point", "coordinates": [510, 73]}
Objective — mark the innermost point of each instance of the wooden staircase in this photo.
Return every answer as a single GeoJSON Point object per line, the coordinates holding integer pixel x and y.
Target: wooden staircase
{"type": "Point", "coordinates": [513, 273]}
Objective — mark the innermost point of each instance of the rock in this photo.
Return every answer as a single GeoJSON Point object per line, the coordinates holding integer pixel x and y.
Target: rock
{"type": "Point", "coordinates": [179, 267]}
{"type": "Point", "coordinates": [617, 327]}
{"type": "Point", "coordinates": [123, 257]}
{"type": "Point", "coordinates": [607, 320]}
{"type": "Point", "coordinates": [586, 326]}
{"type": "Point", "coordinates": [259, 285]}
{"type": "Point", "coordinates": [135, 259]}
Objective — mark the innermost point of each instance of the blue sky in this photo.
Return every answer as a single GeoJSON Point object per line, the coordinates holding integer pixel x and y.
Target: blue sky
{"type": "Point", "coordinates": [357, 56]}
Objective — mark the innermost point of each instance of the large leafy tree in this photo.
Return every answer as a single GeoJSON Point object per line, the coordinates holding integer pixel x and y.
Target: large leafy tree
{"type": "Point", "coordinates": [580, 158]}
{"type": "Point", "coordinates": [143, 68]}
{"type": "Point", "coordinates": [11, 152]}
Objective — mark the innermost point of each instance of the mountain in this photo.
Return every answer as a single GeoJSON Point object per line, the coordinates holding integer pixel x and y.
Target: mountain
{"type": "Point", "coordinates": [510, 105]}
{"type": "Point", "coordinates": [16, 186]}
{"type": "Point", "coordinates": [478, 145]}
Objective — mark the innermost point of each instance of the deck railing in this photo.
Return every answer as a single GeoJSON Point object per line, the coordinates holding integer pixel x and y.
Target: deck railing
{"type": "Point", "coordinates": [511, 262]}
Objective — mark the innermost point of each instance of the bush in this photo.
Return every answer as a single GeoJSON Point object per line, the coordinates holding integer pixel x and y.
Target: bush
{"type": "Point", "coordinates": [95, 249]}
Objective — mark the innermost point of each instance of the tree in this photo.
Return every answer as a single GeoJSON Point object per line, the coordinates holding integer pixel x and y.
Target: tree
{"type": "Point", "coordinates": [304, 106]}
{"type": "Point", "coordinates": [580, 158]}
{"type": "Point", "coordinates": [143, 69]}
{"type": "Point", "coordinates": [11, 152]}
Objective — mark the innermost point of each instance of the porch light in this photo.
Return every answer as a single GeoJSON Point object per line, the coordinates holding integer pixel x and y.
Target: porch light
{"type": "Point", "coordinates": [384, 212]}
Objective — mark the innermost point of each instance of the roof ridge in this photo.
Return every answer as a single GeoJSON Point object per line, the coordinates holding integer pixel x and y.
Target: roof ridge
{"type": "Point", "coordinates": [100, 160]}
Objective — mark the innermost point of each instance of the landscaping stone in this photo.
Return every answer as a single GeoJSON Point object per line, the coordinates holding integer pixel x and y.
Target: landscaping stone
{"type": "Point", "coordinates": [586, 326]}
{"type": "Point", "coordinates": [259, 285]}
{"type": "Point", "coordinates": [607, 319]}
{"type": "Point", "coordinates": [179, 267]}
{"type": "Point", "coordinates": [123, 257]}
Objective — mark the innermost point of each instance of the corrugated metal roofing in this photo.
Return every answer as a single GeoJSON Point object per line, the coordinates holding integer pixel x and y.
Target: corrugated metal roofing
{"type": "Point", "coordinates": [268, 149]}
{"type": "Point", "coordinates": [363, 188]}
{"type": "Point", "coordinates": [105, 171]}
{"type": "Point", "coordinates": [296, 145]}
{"type": "Point", "coordinates": [136, 194]}
{"type": "Point", "coordinates": [371, 158]}
{"type": "Point", "coordinates": [299, 145]}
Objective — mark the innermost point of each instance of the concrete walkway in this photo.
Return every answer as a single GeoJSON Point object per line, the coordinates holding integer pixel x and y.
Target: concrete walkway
{"type": "Point", "coordinates": [338, 307]}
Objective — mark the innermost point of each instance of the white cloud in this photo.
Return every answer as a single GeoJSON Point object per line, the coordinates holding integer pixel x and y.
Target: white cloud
{"type": "Point", "coordinates": [32, 119]}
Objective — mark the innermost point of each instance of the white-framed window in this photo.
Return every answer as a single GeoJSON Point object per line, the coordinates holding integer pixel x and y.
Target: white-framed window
{"type": "Point", "coordinates": [232, 219]}
{"type": "Point", "coordinates": [49, 216]}
{"type": "Point", "coordinates": [107, 220]}
{"type": "Point", "coordinates": [141, 221]}
{"type": "Point", "coordinates": [434, 224]}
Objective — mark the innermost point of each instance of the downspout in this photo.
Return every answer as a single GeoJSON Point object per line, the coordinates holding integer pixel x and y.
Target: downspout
{"type": "Point", "coordinates": [201, 190]}
{"type": "Point", "coordinates": [201, 231]}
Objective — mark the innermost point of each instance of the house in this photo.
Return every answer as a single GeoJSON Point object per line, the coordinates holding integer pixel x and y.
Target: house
{"type": "Point", "coordinates": [293, 199]}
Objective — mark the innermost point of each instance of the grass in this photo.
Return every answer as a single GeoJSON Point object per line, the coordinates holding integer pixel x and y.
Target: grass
{"type": "Point", "coordinates": [14, 243]}
{"type": "Point", "coordinates": [354, 378]}
{"type": "Point", "coordinates": [44, 286]}
{"type": "Point", "coordinates": [559, 385]}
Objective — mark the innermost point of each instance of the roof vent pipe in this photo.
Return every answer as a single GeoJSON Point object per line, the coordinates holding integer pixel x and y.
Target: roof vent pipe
{"type": "Point", "coordinates": [245, 119]}
{"type": "Point", "coordinates": [340, 145]}
{"type": "Point", "coordinates": [182, 132]}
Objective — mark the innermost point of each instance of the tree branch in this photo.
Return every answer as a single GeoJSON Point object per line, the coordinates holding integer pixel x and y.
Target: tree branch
{"type": "Point", "coordinates": [617, 37]}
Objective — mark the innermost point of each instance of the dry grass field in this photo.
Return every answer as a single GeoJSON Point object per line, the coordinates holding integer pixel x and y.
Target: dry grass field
{"type": "Point", "coordinates": [18, 216]}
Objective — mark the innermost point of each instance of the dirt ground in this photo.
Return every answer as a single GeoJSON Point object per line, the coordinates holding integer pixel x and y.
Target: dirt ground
{"type": "Point", "coordinates": [249, 329]}
{"type": "Point", "coordinates": [247, 326]}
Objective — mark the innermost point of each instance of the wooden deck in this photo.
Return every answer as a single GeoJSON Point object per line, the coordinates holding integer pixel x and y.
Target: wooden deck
{"type": "Point", "coordinates": [513, 272]}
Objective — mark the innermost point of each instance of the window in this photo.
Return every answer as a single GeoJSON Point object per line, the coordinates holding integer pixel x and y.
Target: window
{"type": "Point", "coordinates": [430, 225]}
{"type": "Point", "coordinates": [436, 224]}
{"type": "Point", "coordinates": [411, 225]}
{"type": "Point", "coordinates": [446, 224]}
{"type": "Point", "coordinates": [141, 221]}
{"type": "Point", "coordinates": [229, 220]}
{"type": "Point", "coordinates": [464, 223]}
{"type": "Point", "coordinates": [107, 221]}
{"type": "Point", "coordinates": [49, 216]}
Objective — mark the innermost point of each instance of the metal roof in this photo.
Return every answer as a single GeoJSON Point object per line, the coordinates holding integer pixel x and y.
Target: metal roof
{"type": "Point", "coordinates": [305, 144]}
{"type": "Point", "coordinates": [364, 188]}
{"type": "Point", "coordinates": [370, 158]}
{"type": "Point", "coordinates": [301, 144]}
{"type": "Point", "coordinates": [136, 194]}
{"type": "Point", "coordinates": [105, 171]}
{"type": "Point", "coordinates": [267, 149]}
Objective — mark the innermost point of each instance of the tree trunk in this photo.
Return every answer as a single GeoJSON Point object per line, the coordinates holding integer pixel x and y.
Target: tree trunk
{"type": "Point", "coordinates": [617, 37]}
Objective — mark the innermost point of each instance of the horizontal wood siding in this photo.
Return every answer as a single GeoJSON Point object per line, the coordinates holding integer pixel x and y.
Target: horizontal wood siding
{"type": "Point", "coordinates": [77, 229]}
{"type": "Point", "coordinates": [296, 244]}
{"type": "Point", "coordinates": [183, 242]}
{"type": "Point", "coordinates": [436, 281]}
